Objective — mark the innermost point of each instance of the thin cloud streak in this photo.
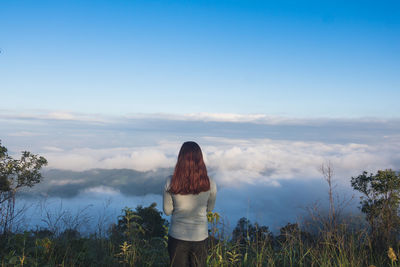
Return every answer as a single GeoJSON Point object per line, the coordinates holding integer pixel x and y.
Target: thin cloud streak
{"type": "Point", "coordinates": [200, 116]}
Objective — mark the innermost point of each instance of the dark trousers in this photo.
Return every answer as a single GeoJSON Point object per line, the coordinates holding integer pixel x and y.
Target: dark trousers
{"type": "Point", "coordinates": [187, 253]}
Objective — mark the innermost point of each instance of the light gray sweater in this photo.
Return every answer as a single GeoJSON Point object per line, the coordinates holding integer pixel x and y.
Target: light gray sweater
{"type": "Point", "coordinates": [189, 212]}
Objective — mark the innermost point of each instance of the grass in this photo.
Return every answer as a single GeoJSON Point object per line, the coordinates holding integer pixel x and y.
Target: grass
{"type": "Point", "coordinates": [339, 245]}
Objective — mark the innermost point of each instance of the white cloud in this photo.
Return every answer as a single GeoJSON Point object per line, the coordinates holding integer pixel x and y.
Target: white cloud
{"type": "Point", "coordinates": [53, 148]}
{"type": "Point", "coordinates": [224, 117]}
{"type": "Point", "coordinates": [52, 115]}
{"type": "Point", "coordinates": [200, 116]}
{"type": "Point", "coordinates": [66, 182]}
{"type": "Point", "coordinates": [61, 116]}
{"type": "Point", "coordinates": [244, 161]}
{"type": "Point", "coordinates": [103, 190]}
{"type": "Point", "coordinates": [24, 134]}
{"type": "Point", "coordinates": [271, 160]}
{"type": "Point", "coordinates": [140, 159]}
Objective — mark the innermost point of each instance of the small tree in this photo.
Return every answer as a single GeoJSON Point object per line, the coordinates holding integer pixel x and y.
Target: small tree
{"type": "Point", "coordinates": [291, 233]}
{"type": "Point", "coordinates": [143, 223]}
{"type": "Point", "coordinates": [16, 174]}
{"type": "Point", "coordinates": [380, 203]}
{"type": "Point", "coordinates": [140, 234]}
{"type": "Point", "coordinates": [246, 233]}
{"type": "Point", "coordinates": [327, 172]}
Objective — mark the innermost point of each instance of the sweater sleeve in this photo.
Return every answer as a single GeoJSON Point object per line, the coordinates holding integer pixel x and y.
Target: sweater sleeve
{"type": "Point", "coordinates": [167, 199]}
{"type": "Point", "coordinates": [213, 195]}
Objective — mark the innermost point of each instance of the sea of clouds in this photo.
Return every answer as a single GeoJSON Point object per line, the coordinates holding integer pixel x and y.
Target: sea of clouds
{"type": "Point", "coordinates": [267, 168]}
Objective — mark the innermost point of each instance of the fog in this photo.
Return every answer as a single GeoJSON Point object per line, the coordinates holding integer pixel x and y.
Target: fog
{"type": "Point", "coordinates": [271, 205]}
{"type": "Point", "coordinates": [266, 168]}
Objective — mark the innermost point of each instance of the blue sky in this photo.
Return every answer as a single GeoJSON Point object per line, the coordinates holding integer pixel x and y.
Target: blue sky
{"type": "Point", "coordinates": [121, 84]}
{"type": "Point", "coordinates": [286, 58]}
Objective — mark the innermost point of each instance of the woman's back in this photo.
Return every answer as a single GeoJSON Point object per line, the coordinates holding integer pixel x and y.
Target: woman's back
{"type": "Point", "coordinates": [189, 212]}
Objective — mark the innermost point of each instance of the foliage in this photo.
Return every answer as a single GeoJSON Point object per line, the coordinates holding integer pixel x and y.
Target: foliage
{"type": "Point", "coordinates": [140, 232]}
{"type": "Point", "coordinates": [245, 232]}
{"type": "Point", "coordinates": [14, 175]}
{"type": "Point", "coordinates": [380, 202]}
{"type": "Point", "coordinates": [71, 248]}
{"type": "Point", "coordinates": [17, 173]}
{"type": "Point", "coordinates": [146, 223]}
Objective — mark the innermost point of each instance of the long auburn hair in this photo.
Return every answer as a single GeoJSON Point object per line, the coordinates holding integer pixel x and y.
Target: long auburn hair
{"type": "Point", "coordinates": [190, 174]}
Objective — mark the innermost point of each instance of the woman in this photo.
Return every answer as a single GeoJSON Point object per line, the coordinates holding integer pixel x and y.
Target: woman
{"type": "Point", "coordinates": [188, 195]}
